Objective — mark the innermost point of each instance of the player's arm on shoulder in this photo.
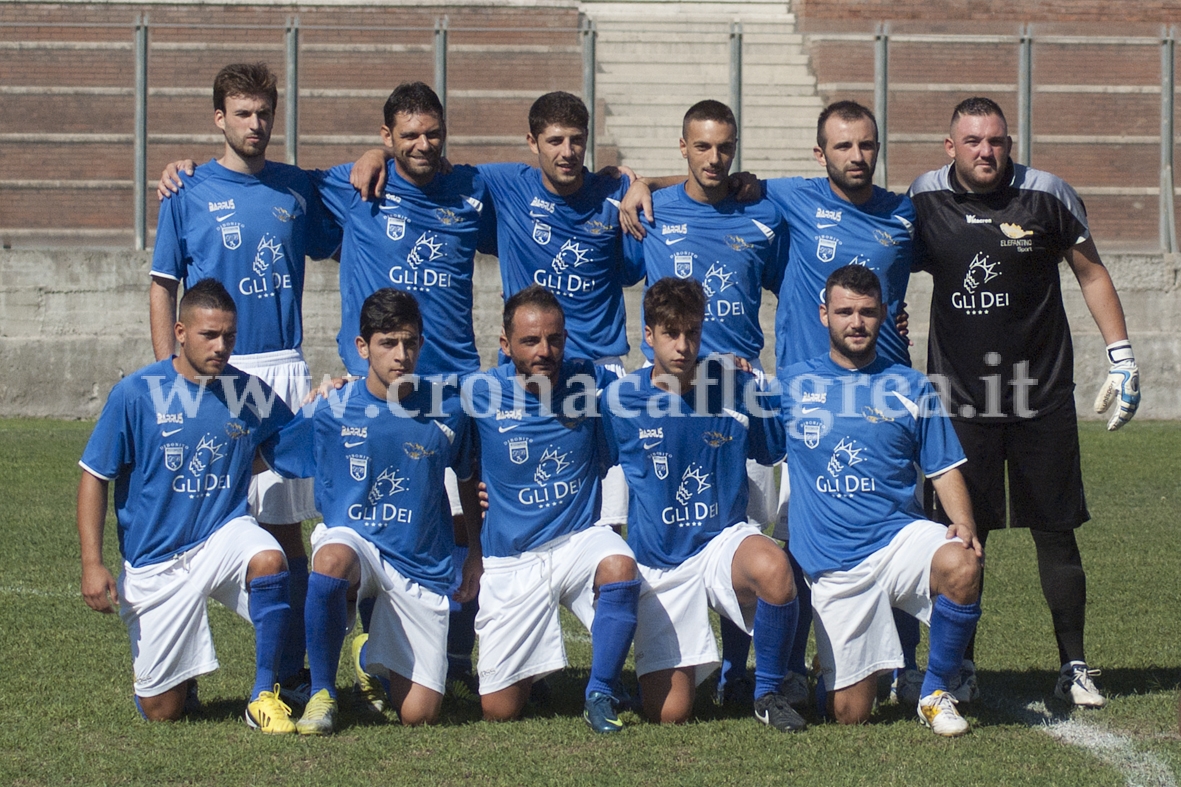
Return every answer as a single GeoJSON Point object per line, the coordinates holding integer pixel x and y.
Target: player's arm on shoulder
{"type": "Point", "coordinates": [170, 181]}
{"type": "Point", "coordinates": [1122, 386]}
{"type": "Point", "coordinates": [746, 187]}
{"type": "Point", "coordinates": [368, 175]}
{"type": "Point", "coordinates": [162, 315]}
{"type": "Point", "coordinates": [99, 589]}
{"type": "Point", "coordinates": [954, 499]}
{"type": "Point", "coordinates": [639, 197]}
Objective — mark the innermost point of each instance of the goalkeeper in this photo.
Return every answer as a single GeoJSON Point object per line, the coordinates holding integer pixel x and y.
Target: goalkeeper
{"type": "Point", "coordinates": [992, 233]}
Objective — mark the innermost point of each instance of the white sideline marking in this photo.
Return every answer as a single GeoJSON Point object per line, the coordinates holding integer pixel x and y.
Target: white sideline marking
{"type": "Point", "coordinates": [1140, 768]}
{"type": "Point", "coordinates": [25, 590]}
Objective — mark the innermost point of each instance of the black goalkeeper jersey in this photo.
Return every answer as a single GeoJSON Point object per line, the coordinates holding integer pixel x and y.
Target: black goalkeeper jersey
{"type": "Point", "coordinates": [999, 344]}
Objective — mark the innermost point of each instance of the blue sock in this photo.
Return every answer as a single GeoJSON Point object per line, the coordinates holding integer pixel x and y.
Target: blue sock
{"type": "Point", "coordinates": [365, 610]}
{"type": "Point", "coordinates": [327, 613]}
{"type": "Point", "coordinates": [461, 637]}
{"type": "Point", "coordinates": [269, 610]}
{"type": "Point", "coordinates": [952, 626]}
{"type": "Point", "coordinates": [295, 641]}
{"type": "Point", "coordinates": [795, 661]}
{"type": "Point", "coordinates": [909, 635]}
{"type": "Point", "coordinates": [735, 649]}
{"type": "Point", "coordinates": [775, 628]}
{"type": "Point", "coordinates": [611, 634]}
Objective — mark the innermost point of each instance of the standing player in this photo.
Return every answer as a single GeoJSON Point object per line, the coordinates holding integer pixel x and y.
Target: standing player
{"type": "Point", "coordinates": [249, 223]}
{"type": "Point", "coordinates": [542, 453]}
{"type": "Point", "coordinates": [178, 438]}
{"type": "Point", "coordinates": [992, 234]}
{"type": "Point", "coordinates": [683, 448]}
{"type": "Point", "coordinates": [379, 452]}
{"type": "Point", "coordinates": [859, 431]}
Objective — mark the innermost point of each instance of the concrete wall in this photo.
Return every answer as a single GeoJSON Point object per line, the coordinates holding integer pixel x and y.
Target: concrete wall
{"type": "Point", "coordinates": [72, 323]}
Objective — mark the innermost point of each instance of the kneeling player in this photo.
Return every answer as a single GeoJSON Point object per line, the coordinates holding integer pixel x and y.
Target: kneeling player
{"type": "Point", "coordinates": [179, 439]}
{"type": "Point", "coordinates": [379, 452]}
{"type": "Point", "coordinates": [858, 427]}
{"type": "Point", "coordinates": [683, 433]}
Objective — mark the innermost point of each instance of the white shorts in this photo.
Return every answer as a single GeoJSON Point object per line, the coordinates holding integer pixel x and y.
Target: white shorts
{"type": "Point", "coordinates": [408, 632]}
{"type": "Point", "coordinates": [164, 604]}
{"type": "Point", "coordinates": [614, 487]}
{"type": "Point", "coordinates": [275, 500]}
{"type": "Point", "coordinates": [855, 632]}
{"type": "Point", "coordinates": [518, 624]}
{"type": "Point", "coordinates": [672, 620]}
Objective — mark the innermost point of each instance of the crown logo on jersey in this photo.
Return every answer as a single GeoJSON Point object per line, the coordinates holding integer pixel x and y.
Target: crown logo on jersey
{"type": "Point", "coordinates": [268, 253]}
{"type": "Point", "coordinates": [518, 451]}
{"type": "Point", "coordinates": [826, 248]}
{"type": "Point", "coordinates": [208, 451]}
{"type": "Point", "coordinates": [231, 236]}
{"type": "Point", "coordinates": [542, 232]}
{"type": "Point", "coordinates": [683, 265]}
{"type": "Point", "coordinates": [426, 249]}
{"type": "Point", "coordinates": [395, 227]}
{"type": "Point", "coordinates": [394, 484]}
{"type": "Point", "coordinates": [852, 456]}
{"type": "Point", "coordinates": [660, 465]}
{"type": "Point", "coordinates": [692, 475]}
{"type": "Point", "coordinates": [550, 457]}
{"type": "Point", "coordinates": [358, 467]}
{"type": "Point", "coordinates": [174, 457]}
{"type": "Point", "coordinates": [980, 267]}
{"type": "Point", "coordinates": [721, 278]}
{"type": "Point", "coordinates": [571, 254]}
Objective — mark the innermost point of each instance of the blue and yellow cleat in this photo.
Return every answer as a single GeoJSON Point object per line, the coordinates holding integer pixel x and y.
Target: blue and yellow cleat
{"type": "Point", "coordinates": [369, 688]}
{"type": "Point", "coordinates": [599, 713]}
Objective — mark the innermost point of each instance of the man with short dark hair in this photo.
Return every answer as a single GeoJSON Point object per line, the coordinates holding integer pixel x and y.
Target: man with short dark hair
{"type": "Point", "coordinates": [178, 438]}
{"type": "Point", "coordinates": [992, 233]}
{"type": "Point", "coordinates": [683, 431]}
{"type": "Point", "coordinates": [250, 223]}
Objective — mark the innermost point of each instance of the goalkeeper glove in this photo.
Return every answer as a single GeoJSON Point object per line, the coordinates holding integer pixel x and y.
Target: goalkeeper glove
{"type": "Point", "coordinates": [1122, 386]}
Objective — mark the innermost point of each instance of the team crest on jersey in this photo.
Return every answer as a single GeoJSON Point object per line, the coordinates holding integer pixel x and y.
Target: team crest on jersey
{"type": "Point", "coordinates": [737, 243]}
{"type": "Point", "coordinates": [282, 214]}
{"type": "Point", "coordinates": [236, 430]}
{"type": "Point", "coordinates": [874, 415]}
{"type": "Point", "coordinates": [358, 467]}
{"type": "Point", "coordinates": [812, 434]}
{"type": "Point", "coordinates": [542, 232]}
{"type": "Point", "coordinates": [518, 451]}
{"type": "Point", "coordinates": [231, 236]}
{"type": "Point", "coordinates": [1015, 231]}
{"type": "Point", "coordinates": [174, 457]}
{"type": "Point", "coordinates": [683, 265]}
{"type": "Point", "coordinates": [826, 248]}
{"type": "Point", "coordinates": [395, 227]}
{"type": "Point", "coordinates": [660, 465]}
{"type": "Point", "coordinates": [446, 216]}
{"type": "Point", "coordinates": [884, 238]}
{"type": "Point", "coordinates": [417, 450]}
{"type": "Point", "coordinates": [715, 439]}
{"type": "Point", "coordinates": [596, 227]}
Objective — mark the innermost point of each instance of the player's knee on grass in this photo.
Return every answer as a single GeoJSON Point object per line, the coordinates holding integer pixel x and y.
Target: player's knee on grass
{"type": "Point", "coordinates": [616, 568]}
{"type": "Point", "coordinates": [339, 561]}
{"type": "Point", "coordinates": [761, 570]}
{"type": "Point", "coordinates": [416, 704]}
{"type": "Point", "coordinates": [265, 563]}
{"type": "Point", "coordinates": [290, 538]}
{"type": "Point", "coordinates": [506, 704]}
{"type": "Point", "coordinates": [955, 573]}
{"type": "Point", "coordinates": [168, 706]}
{"type": "Point", "coordinates": [853, 704]}
{"type": "Point", "coordinates": [668, 695]}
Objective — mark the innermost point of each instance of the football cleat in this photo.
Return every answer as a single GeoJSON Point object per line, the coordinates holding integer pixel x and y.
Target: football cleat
{"type": "Point", "coordinates": [319, 717]}
{"type": "Point", "coordinates": [937, 710]}
{"type": "Point", "coordinates": [964, 685]}
{"type": "Point", "coordinates": [369, 689]}
{"type": "Point", "coordinates": [906, 687]}
{"type": "Point", "coordinates": [795, 688]}
{"type": "Point", "coordinates": [1076, 687]}
{"type": "Point", "coordinates": [463, 687]}
{"type": "Point", "coordinates": [774, 710]}
{"type": "Point", "coordinates": [740, 691]}
{"type": "Point", "coordinates": [297, 689]}
{"type": "Point", "coordinates": [600, 714]}
{"type": "Point", "coordinates": [269, 714]}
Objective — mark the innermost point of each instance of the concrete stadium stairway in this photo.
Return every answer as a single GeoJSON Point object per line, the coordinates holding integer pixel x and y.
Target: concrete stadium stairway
{"type": "Point", "coordinates": [656, 58]}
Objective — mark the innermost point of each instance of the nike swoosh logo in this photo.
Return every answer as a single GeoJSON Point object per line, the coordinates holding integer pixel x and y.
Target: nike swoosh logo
{"type": "Point", "coordinates": [223, 218]}
{"type": "Point", "coordinates": [170, 433]}
{"type": "Point", "coordinates": [673, 241]}
{"type": "Point", "coordinates": [649, 446]}
{"type": "Point", "coordinates": [389, 207]}
{"type": "Point", "coordinates": [354, 444]}
{"type": "Point", "coordinates": [538, 215]}
{"type": "Point", "coordinates": [806, 410]}
{"type": "Point", "coordinates": [508, 428]}
{"type": "Point", "coordinates": [825, 226]}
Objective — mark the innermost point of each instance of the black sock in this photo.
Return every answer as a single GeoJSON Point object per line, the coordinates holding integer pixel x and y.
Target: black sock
{"type": "Point", "coordinates": [1064, 584]}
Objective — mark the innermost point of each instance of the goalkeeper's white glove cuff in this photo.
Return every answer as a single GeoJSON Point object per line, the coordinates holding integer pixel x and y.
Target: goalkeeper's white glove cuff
{"type": "Point", "coordinates": [1122, 386]}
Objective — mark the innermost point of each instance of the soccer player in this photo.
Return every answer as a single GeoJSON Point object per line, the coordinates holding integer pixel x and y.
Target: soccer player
{"type": "Point", "coordinates": [860, 429]}
{"type": "Point", "coordinates": [683, 431]}
{"type": "Point", "coordinates": [542, 453]}
{"type": "Point", "coordinates": [378, 451]}
{"type": "Point", "coordinates": [992, 233]}
{"type": "Point", "coordinates": [178, 438]}
{"type": "Point", "coordinates": [249, 223]}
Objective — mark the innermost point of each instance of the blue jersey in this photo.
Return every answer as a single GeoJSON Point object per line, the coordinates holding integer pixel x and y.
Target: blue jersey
{"type": "Point", "coordinates": [542, 466]}
{"type": "Point", "coordinates": [733, 248]}
{"type": "Point", "coordinates": [421, 240]}
{"type": "Point", "coordinates": [180, 455]}
{"type": "Point", "coordinates": [379, 470]}
{"type": "Point", "coordinates": [827, 233]}
{"type": "Point", "coordinates": [571, 246]}
{"type": "Point", "coordinates": [251, 233]}
{"type": "Point", "coordinates": [685, 459]}
{"type": "Point", "coordinates": [856, 440]}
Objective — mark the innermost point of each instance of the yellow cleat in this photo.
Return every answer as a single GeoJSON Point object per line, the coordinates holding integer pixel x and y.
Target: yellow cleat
{"type": "Point", "coordinates": [319, 717]}
{"type": "Point", "coordinates": [369, 688]}
{"type": "Point", "coordinates": [270, 714]}
{"type": "Point", "coordinates": [937, 710]}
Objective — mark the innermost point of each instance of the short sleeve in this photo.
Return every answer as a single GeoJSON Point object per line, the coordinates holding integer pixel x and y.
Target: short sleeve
{"type": "Point", "coordinates": [110, 447]}
{"type": "Point", "coordinates": [169, 256]}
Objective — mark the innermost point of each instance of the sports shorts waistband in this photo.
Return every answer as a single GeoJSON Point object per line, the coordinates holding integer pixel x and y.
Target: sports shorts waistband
{"type": "Point", "coordinates": [259, 360]}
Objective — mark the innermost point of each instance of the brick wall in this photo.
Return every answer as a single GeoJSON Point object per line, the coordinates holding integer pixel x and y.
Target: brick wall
{"type": "Point", "coordinates": [1098, 11]}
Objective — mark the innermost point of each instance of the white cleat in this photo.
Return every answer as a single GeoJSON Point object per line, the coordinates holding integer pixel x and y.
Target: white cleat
{"type": "Point", "coordinates": [1076, 687]}
{"type": "Point", "coordinates": [937, 710]}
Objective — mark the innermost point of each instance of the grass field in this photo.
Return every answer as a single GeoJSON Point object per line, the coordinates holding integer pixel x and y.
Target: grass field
{"type": "Point", "coordinates": [67, 716]}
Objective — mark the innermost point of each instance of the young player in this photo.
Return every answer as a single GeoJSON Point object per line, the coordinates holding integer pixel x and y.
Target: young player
{"type": "Point", "coordinates": [542, 455]}
{"type": "Point", "coordinates": [178, 438]}
{"type": "Point", "coordinates": [249, 223]}
{"type": "Point", "coordinates": [858, 427]}
{"type": "Point", "coordinates": [378, 451]}
{"type": "Point", "coordinates": [683, 447]}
